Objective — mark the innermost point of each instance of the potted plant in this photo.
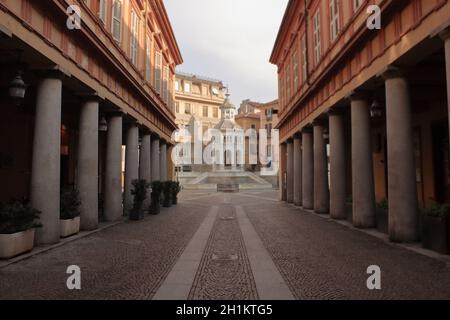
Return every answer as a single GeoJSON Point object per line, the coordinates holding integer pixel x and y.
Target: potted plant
{"type": "Point", "coordinates": [17, 225]}
{"type": "Point", "coordinates": [382, 211]}
{"type": "Point", "coordinates": [70, 213]}
{"type": "Point", "coordinates": [436, 227]}
{"type": "Point", "coordinates": [176, 188]}
{"type": "Point", "coordinates": [167, 186]}
{"type": "Point", "coordinates": [139, 193]}
{"type": "Point", "coordinates": [155, 206]}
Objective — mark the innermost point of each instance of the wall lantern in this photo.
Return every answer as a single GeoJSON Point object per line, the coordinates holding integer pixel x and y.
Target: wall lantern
{"type": "Point", "coordinates": [326, 134]}
{"type": "Point", "coordinates": [375, 109]}
{"type": "Point", "coordinates": [17, 87]}
{"type": "Point", "coordinates": [103, 125]}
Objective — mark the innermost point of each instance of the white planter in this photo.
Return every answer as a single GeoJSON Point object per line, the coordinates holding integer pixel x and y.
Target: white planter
{"type": "Point", "coordinates": [14, 244]}
{"type": "Point", "coordinates": [70, 227]}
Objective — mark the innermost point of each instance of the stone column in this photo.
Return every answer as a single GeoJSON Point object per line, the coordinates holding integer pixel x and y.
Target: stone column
{"type": "Point", "coordinates": [338, 183]}
{"type": "Point", "coordinates": [402, 188]}
{"type": "Point", "coordinates": [88, 164]}
{"type": "Point", "coordinates": [321, 189]}
{"type": "Point", "coordinates": [362, 164]}
{"type": "Point", "coordinates": [145, 168]}
{"type": "Point", "coordinates": [163, 161]}
{"type": "Point", "coordinates": [282, 176]}
{"type": "Point", "coordinates": [307, 169]}
{"type": "Point", "coordinates": [290, 171]}
{"type": "Point", "coordinates": [297, 171]}
{"type": "Point", "coordinates": [113, 170]}
{"type": "Point", "coordinates": [155, 159]}
{"type": "Point", "coordinates": [131, 165]}
{"type": "Point", "coordinates": [45, 168]}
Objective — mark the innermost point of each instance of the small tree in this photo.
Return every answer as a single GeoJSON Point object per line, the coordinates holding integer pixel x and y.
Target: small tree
{"type": "Point", "coordinates": [139, 193]}
{"type": "Point", "coordinates": [18, 216]}
{"type": "Point", "coordinates": [155, 197]}
{"type": "Point", "coordinates": [167, 188]}
{"type": "Point", "coordinates": [175, 189]}
{"type": "Point", "coordinates": [70, 204]}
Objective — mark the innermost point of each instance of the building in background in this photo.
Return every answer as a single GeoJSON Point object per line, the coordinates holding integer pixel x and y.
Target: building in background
{"type": "Point", "coordinates": [248, 107]}
{"type": "Point", "coordinates": [198, 98]}
{"type": "Point", "coordinates": [71, 98]}
{"type": "Point", "coordinates": [377, 97]}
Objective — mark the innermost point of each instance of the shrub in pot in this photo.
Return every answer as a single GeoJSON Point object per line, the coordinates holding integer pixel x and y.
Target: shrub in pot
{"type": "Point", "coordinates": [155, 206]}
{"type": "Point", "coordinates": [70, 213]}
{"type": "Point", "coordinates": [18, 221]}
{"type": "Point", "coordinates": [176, 188]}
{"type": "Point", "coordinates": [383, 216]}
{"type": "Point", "coordinates": [167, 190]}
{"type": "Point", "coordinates": [436, 227]}
{"type": "Point", "coordinates": [139, 193]}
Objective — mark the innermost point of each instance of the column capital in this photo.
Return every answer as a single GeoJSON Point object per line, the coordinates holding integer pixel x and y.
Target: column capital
{"type": "Point", "coordinates": [444, 34]}
{"type": "Point", "coordinates": [358, 95]}
{"type": "Point", "coordinates": [56, 72]}
{"type": "Point", "coordinates": [114, 114]}
{"type": "Point", "coordinates": [319, 122]}
{"type": "Point", "coordinates": [290, 140]}
{"type": "Point", "coordinates": [307, 129]}
{"type": "Point", "coordinates": [336, 111]}
{"type": "Point", "coordinates": [90, 97]}
{"type": "Point", "coordinates": [297, 135]}
{"type": "Point", "coordinates": [392, 72]}
{"type": "Point", "coordinates": [145, 130]}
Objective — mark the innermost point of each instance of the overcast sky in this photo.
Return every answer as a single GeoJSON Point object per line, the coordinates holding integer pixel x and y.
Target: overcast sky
{"type": "Point", "coordinates": [229, 40]}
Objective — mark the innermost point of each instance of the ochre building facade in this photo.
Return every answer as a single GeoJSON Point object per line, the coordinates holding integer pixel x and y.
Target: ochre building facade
{"type": "Point", "coordinates": [90, 88]}
{"type": "Point", "coordinates": [364, 112]}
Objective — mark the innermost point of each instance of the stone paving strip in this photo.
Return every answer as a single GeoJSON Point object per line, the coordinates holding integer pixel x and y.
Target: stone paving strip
{"type": "Point", "coordinates": [225, 272]}
{"type": "Point", "coordinates": [269, 282]}
{"type": "Point", "coordinates": [179, 281]}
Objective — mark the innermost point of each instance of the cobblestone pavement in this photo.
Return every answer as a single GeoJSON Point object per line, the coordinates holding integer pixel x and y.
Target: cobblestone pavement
{"type": "Point", "coordinates": [317, 258]}
{"type": "Point", "coordinates": [127, 261]}
{"type": "Point", "coordinates": [224, 271]}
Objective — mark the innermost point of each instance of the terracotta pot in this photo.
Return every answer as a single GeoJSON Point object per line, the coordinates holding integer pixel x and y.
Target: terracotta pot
{"type": "Point", "coordinates": [14, 244]}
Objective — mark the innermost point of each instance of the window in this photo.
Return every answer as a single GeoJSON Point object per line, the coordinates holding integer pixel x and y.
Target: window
{"type": "Point", "coordinates": [158, 62]}
{"type": "Point", "coordinates": [317, 39]}
{"type": "Point", "coordinates": [281, 93]}
{"type": "Point", "coordinates": [215, 112]}
{"type": "Point", "coordinates": [148, 54]}
{"type": "Point", "coordinates": [304, 59]}
{"type": "Point", "coordinates": [187, 108]}
{"type": "Point", "coordinates": [165, 83]}
{"type": "Point", "coordinates": [205, 111]}
{"type": "Point", "coordinates": [187, 87]}
{"type": "Point", "coordinates": [295, 65]}
{"type": "Point", "coordinates": [253, 126]}
{"type": "Point", "coordinates": [215, 91]}
{"type": "Point", "coordinates": [177, 107]}
{"type": "Point", "coordinates": [116, 27]}
{"type": "Point", "coordinates": [102, 10]}
{"type": "Point", "coordinates": [288, 80]}
{"type": "Point", "coordinates": [134, 37]}
{"type": "Point", "coordinates": [334, 19]}
{"type": "Point", "coordinates": [177, 85]}
{"type": "Point", "coordinates": [357, 4]}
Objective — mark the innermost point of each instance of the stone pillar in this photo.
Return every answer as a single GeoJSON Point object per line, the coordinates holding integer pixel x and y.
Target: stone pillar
{"type": "Point", "coordinates": [307, 169]}
{"type": "Point", "coordinates": [321, 189]}
{"type": "Point", "coordinates": [163, 161]}
{"type": "Point", "coordinates": [88, 164]}
{"type": "Point", "coordinates": [282, 174]}
{"type": "Point", "coordinates": [290, 172]}
{"type": "Point", "coordinates": [362, 164]}
{"type": "Point", "coordinates": [338, 181]}
{"type": "Point", "coordinates": [155, 159]}
{"type": "Point", "coordinates": [297, 171]}
{"type": "Point", "coordinates": [45, 168]}
{"type": "Point", "coordinates": [145, 168]}
{"type": "Point", "coordinates": [402, 188]}
{"type": "Point", "coordinates": [131, 165]}
{"type": "Point", "coordinates": [113, 172]}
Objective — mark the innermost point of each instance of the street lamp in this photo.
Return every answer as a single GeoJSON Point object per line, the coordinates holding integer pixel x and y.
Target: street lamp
{"type": "Point", "coordinates": [103, 125]}
{"type": "Point", "coordinates": [17, 87]}
{"type": "Point", "coordinates": [375, 109]}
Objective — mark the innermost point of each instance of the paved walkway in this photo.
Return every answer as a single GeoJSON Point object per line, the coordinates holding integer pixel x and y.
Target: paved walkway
{"type": "Point", "coordinates": [228, 246]}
